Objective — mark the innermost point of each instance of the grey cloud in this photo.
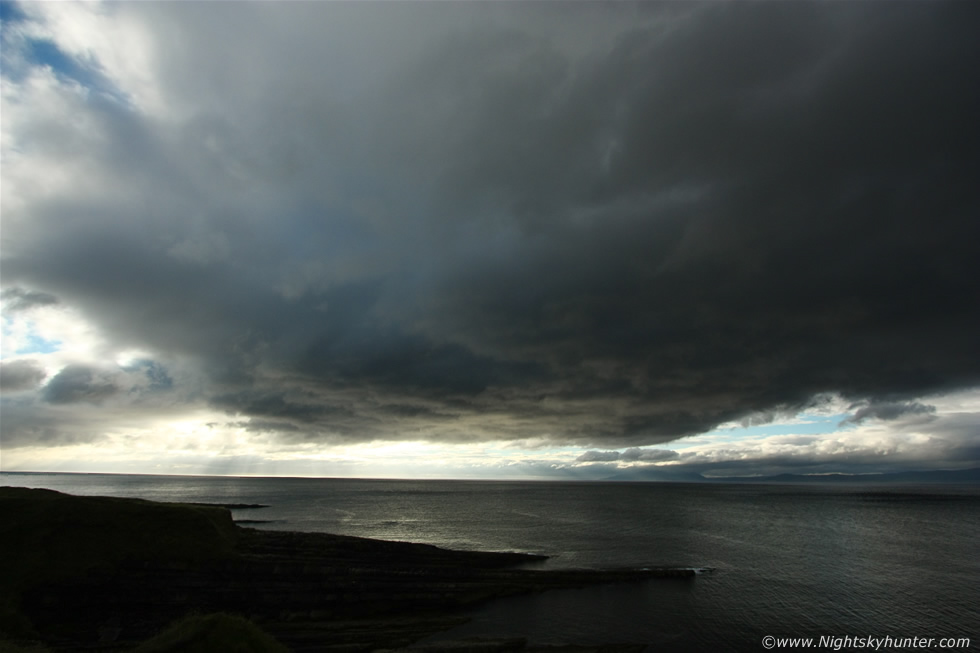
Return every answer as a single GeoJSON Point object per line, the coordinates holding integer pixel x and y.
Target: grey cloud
{"type": "Point", "coordinates": [267, 426]}
{"type": "Point", "coordinates": [80, 383]}
{"type": "Point", "coordinates": [18, 299]}
{"type": "Point", "coordinates": [889, 411]}
{"type": "Point", "coordinates": [20, 375]}
{"type": "Point", "coordinates": [83, 401]}
{"type": "Point", "coordinates": [598, 456]}
{"type": "Point", "coordinates": [27, 423]}
{"type": "Point", "coordinates": [634, 454]}
{"type": "Point", "coordinates": [486, 218]}
{"type": "Point", "coordinates": [648, 455]}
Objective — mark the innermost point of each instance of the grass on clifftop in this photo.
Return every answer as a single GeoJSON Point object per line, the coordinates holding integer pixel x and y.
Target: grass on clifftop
{"type": "Point", "coordinates": [212, 632]}
{"type": "Point", "coordinates": [193, 634]}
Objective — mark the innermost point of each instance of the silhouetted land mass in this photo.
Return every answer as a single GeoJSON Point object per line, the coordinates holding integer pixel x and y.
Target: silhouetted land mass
{"type": "Point", "coordinates": [99, 573]}
{"type": "Point", "coordinates": [656, 473]}
{"type": "Point", "coordinates": [232, 506]}
{"type": "Point", "coordinates": [954, 477]}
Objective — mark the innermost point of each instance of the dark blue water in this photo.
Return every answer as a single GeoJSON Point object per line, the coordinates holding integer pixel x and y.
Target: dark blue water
{"type": "Point", "coordinates": [899, 561]}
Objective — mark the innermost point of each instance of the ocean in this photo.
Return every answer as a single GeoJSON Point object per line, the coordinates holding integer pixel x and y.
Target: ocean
{"type": "Point", "coordinates": [787, 561]}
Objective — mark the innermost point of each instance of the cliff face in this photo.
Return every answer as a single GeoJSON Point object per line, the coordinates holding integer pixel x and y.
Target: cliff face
{"type": "Point", "coordinates": [111, 572]}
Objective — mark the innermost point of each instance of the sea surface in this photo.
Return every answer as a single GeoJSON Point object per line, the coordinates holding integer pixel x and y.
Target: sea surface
{"type": "Point", "coordinates": [865, 560]}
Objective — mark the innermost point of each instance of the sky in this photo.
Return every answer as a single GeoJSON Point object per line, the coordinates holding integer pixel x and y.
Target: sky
{"type": "Point", "coordinates": [571, 240]}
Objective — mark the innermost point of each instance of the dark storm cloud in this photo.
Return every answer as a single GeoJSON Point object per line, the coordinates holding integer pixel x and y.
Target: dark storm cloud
{"type": "Point", "coordinates": [20, 375]}
{"type": "Point", "coordinates": [273, 405]}
{"type": "Point", "coordinates": [597, 224]}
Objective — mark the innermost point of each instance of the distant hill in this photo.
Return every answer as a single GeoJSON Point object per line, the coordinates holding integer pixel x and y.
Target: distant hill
{"type": "Point", "coordinates": [666, 475]}
{"type": "Point", "coordinates": [654, 474]}
{"type": "Point", "coordinates": [937, 476]}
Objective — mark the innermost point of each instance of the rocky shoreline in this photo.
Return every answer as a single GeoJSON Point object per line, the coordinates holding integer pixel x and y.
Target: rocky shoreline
{"type": "Point", "coordinates": [311, 591]}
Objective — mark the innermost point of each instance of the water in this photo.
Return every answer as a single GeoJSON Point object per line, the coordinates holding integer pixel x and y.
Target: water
{"type": "Point", "coordinates": [789, 561]}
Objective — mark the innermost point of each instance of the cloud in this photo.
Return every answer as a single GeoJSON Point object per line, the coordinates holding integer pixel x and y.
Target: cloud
{"type": "Point", "coordinates": [18, 299]}
{"type": "Point", "coordinates": [606, 226]}
{"type": "Point", "coordinates": [267, 426]}
{"type": "Point", "coordinates": [78, 383]}
{"type": "Point", "coordinates": [913, 441]}
{"type": "Point", "coordinates": [888, 411]}
{"type": "Point", "coordinates": [598, 456]}
{"type": "Point", "coordinates": [20, 375]}
{"type": "Point", "coordinates": [634, 454]}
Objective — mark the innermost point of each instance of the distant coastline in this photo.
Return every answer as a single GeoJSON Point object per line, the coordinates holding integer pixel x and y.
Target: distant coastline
{"type": "Point", "coordinates": [957, 476]}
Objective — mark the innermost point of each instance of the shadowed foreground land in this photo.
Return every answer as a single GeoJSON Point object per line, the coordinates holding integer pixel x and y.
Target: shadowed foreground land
{"type": "Point", "coordinates": [100, 573]}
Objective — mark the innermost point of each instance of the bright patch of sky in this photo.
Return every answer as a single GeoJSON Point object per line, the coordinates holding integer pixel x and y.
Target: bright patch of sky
{"type": "Point", "coordinates": [59, 40]}
{"type": "Point", "coordinates": [803, 424]}
{"type": "Point", "coordinates": [39, 345]}
{"type": "Point", "coordinates": [54, 332]}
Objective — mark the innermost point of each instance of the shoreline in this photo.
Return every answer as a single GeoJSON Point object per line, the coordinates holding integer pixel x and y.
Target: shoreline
{"type": "Point", "coordinates": [110, 573]}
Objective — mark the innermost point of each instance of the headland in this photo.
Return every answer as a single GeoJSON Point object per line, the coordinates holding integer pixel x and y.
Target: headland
{"type": "Point", "coordinates": [102, 573]}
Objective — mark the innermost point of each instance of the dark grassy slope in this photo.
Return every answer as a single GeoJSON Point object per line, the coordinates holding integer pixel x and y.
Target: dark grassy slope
{"type": "Point", "coordinates": [93, 571]}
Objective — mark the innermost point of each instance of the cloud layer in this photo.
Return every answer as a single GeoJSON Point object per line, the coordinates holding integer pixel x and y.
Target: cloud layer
{"type": "Point", "coordinates": [591, 224]}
